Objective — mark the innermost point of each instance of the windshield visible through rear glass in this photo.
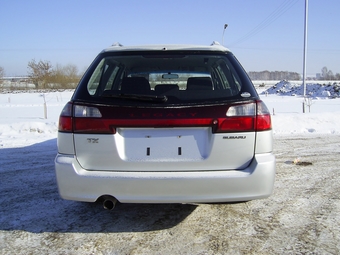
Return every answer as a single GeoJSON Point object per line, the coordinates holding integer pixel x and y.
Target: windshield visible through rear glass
{"type": "Point", "coordinates": [184, 78]}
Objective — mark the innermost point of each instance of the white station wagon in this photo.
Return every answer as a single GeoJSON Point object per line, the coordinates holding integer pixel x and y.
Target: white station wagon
{"type": "Point", "coordinates": [165, 124]}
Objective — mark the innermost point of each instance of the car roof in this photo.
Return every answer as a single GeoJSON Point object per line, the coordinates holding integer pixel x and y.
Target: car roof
{"type": "Point", "coordinates": [215, 46]}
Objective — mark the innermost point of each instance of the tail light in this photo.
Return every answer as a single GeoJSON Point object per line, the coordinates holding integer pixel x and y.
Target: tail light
{"type": "Point", "coordinates": [80, 118]}
{"type": "Point", "coordinates": [246, 117]}
{"type": "Point", "coordinates": [263, 119]}
{"type": "Point", "coordinates": [65, 119]}
{"type": "Point", "coordinates": [239, 118]}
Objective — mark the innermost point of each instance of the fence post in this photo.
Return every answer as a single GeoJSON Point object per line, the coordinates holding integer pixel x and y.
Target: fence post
{"type": "Point", "coordinates": [45, 106]}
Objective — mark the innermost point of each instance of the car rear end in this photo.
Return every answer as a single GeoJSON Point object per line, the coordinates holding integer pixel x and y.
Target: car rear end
{"type": "Point", "coordinates": [165, 125]}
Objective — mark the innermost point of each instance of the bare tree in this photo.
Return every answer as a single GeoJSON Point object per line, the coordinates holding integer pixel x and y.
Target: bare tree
{"type": "Point", "coordinates": [44, 76]}
{"type": "Point", "coordinates": [65, 76]}
{"type": "Point", "coordinates": [71, 72]}
{"type": "Point", "coordinates": [58, 78]}
{"type": "Point", "coordinates": [327, 74]}
{"type": "Point", "coordinates": [2, 73]}
{"type": "Point", "coordinates": [330, 75]}
{"type": "Point", "coordinates": [40, 72]}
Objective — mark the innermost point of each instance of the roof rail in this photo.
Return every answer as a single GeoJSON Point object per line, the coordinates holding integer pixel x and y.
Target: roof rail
{"type": "Point", "coordinates": [215, 43]}
{"type": "Point", "coordinates": [117, 44]}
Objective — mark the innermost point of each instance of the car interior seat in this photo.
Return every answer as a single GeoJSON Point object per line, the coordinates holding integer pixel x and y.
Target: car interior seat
{"type": "Point", "coordinates": [135, 85]}
{"type": "Point", "coordinates": [199, 83]}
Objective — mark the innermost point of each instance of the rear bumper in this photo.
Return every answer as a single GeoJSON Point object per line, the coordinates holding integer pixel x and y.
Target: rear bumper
{"type": "Point", "coordinates": [254, 182]}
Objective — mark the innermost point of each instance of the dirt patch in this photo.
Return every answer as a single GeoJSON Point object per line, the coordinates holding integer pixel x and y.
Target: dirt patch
{"type": "Point", "coordinates": [303, 163]}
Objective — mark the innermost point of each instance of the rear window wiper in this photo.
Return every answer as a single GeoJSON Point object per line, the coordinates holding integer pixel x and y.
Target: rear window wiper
{"type": "Point", "coordinates": [139, 97]}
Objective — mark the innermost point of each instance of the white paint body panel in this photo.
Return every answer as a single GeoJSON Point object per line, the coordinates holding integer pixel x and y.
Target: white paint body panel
{"type": "Point", "coordinates": [140, 180]}
{"type": "Point", "coordinates": [254, 182]}
{"type": "Point", "coordinates": [164, 149]}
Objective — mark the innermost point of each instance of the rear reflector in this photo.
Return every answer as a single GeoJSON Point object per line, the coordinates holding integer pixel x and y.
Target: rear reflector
{"type": "Point", "coordinates": [246, 117]}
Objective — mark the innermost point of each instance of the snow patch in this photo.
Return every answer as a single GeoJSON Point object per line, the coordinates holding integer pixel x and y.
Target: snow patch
{"type": "Point", "coordinates": [286, 88]}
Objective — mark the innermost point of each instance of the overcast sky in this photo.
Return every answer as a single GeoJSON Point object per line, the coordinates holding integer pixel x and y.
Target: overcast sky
{"type": "Point", "coordinates": [263, 34]}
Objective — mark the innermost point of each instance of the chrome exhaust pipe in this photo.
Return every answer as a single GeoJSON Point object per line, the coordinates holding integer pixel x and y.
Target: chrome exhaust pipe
{"type": "Point", "coordinates": [109, 202]}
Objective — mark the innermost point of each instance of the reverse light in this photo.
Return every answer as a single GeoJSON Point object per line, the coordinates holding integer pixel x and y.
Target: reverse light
{"type": "Point", "coordinates": [241, 110]}
{"type": "Point", "coordinates": [86, 111]}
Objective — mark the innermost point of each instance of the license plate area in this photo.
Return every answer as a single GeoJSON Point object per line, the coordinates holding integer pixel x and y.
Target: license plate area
{"type": "Point", "coordinates": [163, 144]}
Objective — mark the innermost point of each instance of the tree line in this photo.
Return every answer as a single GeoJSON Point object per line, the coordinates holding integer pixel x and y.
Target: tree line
{"type": "Point", "coordinates": [276, 75]}
{"type": "Point", "coordinates": [44, 76]}
{"type": "Point", "coordinates": [328, 75]}
{"type": "Point", "coordinates": [2, 72]}
{"type": "Point", "coordinates": [291, 76]}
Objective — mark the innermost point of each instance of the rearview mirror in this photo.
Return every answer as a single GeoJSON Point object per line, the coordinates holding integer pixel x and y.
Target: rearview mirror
{"type": "Point", "coordinates": [170, 76]}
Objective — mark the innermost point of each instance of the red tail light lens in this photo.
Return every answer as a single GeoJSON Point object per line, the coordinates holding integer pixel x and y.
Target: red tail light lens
{"type": "Point", "coordinates": [239, 118]}
{"type": "Point", "coordinates": [245, 118]}
{"type": "Point", "coordinates": [65, 119]}
{"type": "Point", "coordinates": [236, 124]}
{"type": "Point", "coordinates": [263, 119]}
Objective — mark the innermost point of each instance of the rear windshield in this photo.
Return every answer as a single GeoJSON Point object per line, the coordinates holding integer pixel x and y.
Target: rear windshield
{"type": "Point", "coordinates": [167, 78]}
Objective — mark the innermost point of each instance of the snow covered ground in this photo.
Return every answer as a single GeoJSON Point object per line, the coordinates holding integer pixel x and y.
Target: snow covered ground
{"type": "Point", "coordinates": [288, 117]}
{"type": "Point", "coordinates": [22, 115]}
{"type": "Point", "coordinates": [322, 108]}
{"type": "Point", "coordinates": [22, 119]}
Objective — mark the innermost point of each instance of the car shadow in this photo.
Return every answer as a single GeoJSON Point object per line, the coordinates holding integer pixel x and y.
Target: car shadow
{"type": "Point", "coordinates": [30, 200]}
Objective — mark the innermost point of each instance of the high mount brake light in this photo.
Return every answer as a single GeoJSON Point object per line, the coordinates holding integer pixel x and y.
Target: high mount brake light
{"type": "Point", "coordinates": [247, 117]}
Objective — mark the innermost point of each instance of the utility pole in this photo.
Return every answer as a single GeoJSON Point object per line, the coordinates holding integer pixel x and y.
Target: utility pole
{"type": "Point", "coordinates": [305, 58]}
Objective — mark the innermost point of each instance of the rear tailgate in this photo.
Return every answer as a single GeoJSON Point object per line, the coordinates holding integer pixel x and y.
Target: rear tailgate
{"type": "Point", "coordinates": [165, 139]}
{"type": "Point", "coordinates": [168, 149]}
